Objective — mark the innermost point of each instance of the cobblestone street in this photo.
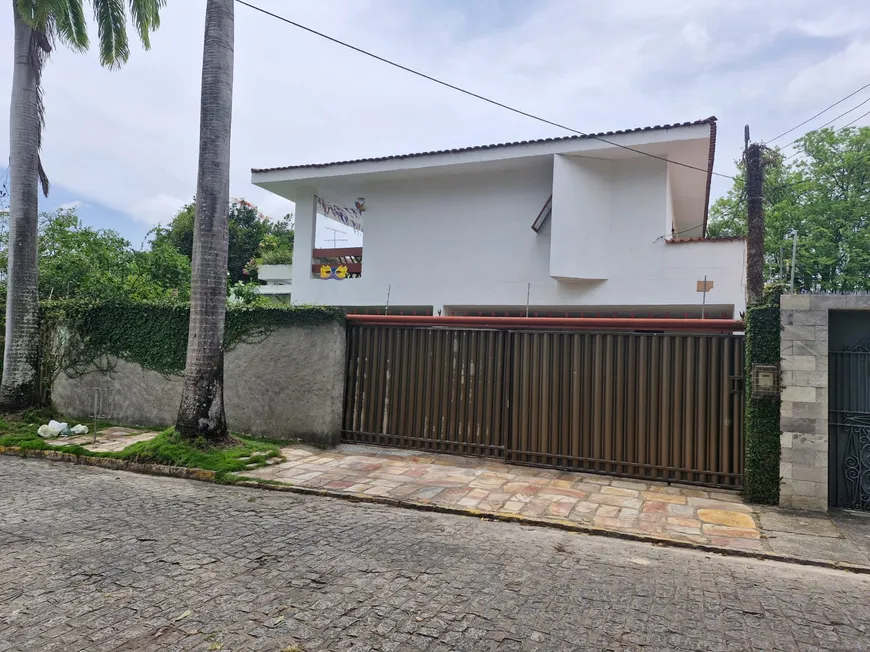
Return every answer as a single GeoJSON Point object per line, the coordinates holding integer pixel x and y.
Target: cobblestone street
{"type": "Point", "coordinates": [99, 560]}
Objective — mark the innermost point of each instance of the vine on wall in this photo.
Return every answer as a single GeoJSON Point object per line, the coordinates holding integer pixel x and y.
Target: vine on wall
{"type": "Point", "coordinates": [763, 334]}
{"type": "Point", "coordinates": [76, 336]}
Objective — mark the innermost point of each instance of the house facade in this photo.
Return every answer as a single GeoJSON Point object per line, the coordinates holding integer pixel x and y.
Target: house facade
{"type": "Point", "coordinates": [605, 224]}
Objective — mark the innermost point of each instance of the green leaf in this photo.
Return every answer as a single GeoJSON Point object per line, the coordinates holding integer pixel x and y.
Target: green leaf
{"type": "Point", "coordinates": [111, 19]}
{"type": "Point", "coordinates": [146, 18]}
{"type": "Point", "coordinates": [70, 24]}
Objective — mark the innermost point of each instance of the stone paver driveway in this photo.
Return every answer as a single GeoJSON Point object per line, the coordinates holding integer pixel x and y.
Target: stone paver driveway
{"type": "Point", "coordinates": [109, 440]}
{"type": "Point", "coordinates": [683, 512]}
{"type": "Point", "coordinates": [101, 561]}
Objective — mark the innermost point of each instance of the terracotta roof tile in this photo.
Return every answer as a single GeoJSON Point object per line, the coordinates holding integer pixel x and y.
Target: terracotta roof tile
{"type": "Point", "coordinates": [735, 238]}
{"type": "Point", "coordinates": [706, 121]}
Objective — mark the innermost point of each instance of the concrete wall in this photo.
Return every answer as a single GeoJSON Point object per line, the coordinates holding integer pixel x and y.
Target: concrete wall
{"type": "Point", "coordinates": [580, 225]}
{"type": "Point", "coordinates": [465, 239]}
{"type": "Point", "coordinates": [289, 386]}
{"type": "Point", "coordinates": [804, 413]}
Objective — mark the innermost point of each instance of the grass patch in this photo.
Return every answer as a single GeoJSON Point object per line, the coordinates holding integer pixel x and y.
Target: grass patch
{"type": "Point", "coordinates": [171, 449]}
{"type": "Point", "coordinates": [168, 448]}
{"type": "Point", "coordinates": [19, 430]}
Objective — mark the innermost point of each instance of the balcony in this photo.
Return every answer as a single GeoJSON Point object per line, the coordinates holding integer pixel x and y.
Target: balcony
{"type": "Point", "coordinates": [337, 263]}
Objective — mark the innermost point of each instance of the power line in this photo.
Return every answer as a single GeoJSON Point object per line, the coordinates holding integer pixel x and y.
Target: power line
{"type": "Point", "coordinates": [468, 92]}
{"type": "Point", "coordinates": [830, 122]}
{"type": "Point", "coordinates": [848, 124]}
{"type": "Point", "coordinates": [818, 114]}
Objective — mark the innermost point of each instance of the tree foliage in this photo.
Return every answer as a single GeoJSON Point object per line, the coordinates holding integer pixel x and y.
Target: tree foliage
{"type": "Point", "coordinates": [251, 236]}
{"type": "Point", "coordinates": [76, 261]}
{"type": "Point", "coordinates": [824, 195]}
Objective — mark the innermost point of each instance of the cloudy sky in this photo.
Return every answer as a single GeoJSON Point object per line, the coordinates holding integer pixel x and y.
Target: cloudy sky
{"type": "Point", "coordinates": [122, 145]}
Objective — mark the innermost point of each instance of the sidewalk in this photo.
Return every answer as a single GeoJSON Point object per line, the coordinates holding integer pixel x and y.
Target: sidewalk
{"type": "Point", "coordinates": [482, 487]}
{"type": "Point", "coordinates": [677, 512]}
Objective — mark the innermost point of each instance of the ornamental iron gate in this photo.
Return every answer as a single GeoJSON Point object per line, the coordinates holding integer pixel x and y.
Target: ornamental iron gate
{"type": "Point", "coordinates": [647, 405]}
{"type": "Point", "coordinates": [849, 411]}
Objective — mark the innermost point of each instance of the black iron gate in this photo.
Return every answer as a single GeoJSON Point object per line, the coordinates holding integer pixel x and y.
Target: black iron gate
{"type": "Point", "coordinates": [849, 411]}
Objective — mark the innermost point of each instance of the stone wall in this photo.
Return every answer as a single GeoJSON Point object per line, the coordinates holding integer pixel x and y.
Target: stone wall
{"type": "Point", "coordinates": [288, 386]}
{"type": "Point", "coordinates": [804, 413]}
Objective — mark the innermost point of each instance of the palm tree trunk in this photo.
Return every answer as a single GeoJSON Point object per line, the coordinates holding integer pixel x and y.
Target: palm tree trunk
{"type": "Point", "coordinates": [19, 388]}
{"type": "Point", "coordinates": [201, 413]}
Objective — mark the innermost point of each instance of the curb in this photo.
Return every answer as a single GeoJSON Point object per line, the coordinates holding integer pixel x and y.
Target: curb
{"type": "Point", "coordinates": [112, 463]}
{"type": "Point", "coordinates": [557, 524]}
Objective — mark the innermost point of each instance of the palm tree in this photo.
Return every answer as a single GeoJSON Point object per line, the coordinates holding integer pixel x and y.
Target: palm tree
{"type": "Point", "coordinates": [37, 24]}
{"type": "Point", "coordinates": [201, 413]}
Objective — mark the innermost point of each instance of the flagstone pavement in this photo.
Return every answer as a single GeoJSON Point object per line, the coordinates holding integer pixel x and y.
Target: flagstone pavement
{"type": "Point", "coordinates": [672, 511]}
{"type": "Point", "coordinates": [682, 512]}
{"type": "Point", "coordinates": [108, 440]}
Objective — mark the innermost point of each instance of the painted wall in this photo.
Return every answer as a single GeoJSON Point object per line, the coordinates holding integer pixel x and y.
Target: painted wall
{"type": "Point", "coordinates": [466, 240]}
{"type": "Point", "coordinates": [289, 386]}
{"type": "Point", "coordinates": [580, 225]}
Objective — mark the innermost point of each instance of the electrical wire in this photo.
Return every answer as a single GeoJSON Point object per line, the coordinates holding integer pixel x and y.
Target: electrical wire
{"type": "Point", "coordinates": [848, 124]}
{"type": "Point", "coordinates": [675, 234]}
{"type": "Point", "coordinates": [830, 122]}
{"type": "Point", "coordinates": [468, 92]}
{"type": "Point", "coordinates": [818, 114]}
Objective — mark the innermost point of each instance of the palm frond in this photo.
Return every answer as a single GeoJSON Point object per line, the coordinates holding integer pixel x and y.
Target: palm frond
{"type": "Point", "coordinates": [34, 12]}
{"type": "Point", "coordinates": [40, 48]}
{"type": "Point", "coordinates": [70, 23]}
{"type": "Point", "coordinates": [43, 177]}
{"type": "Point", "coordinates": [111, 21]}
{"type": "Point", "coordinates": [146, 18]}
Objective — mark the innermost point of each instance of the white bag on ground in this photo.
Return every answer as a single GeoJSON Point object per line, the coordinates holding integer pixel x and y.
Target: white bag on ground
{"type": "Point", "coordinates": [57, 425]}
{"type": "Point", "coordinates": [47, 432]}
{"type": "Point", "coordinates": [80, 429]}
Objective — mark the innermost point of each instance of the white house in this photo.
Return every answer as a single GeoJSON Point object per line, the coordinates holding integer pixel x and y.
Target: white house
{"type": "Point", "coordinates": [576, 226]}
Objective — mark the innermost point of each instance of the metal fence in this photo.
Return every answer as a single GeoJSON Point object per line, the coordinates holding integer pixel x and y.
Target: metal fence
{"type": "Point", "coordinates": [648, 405]}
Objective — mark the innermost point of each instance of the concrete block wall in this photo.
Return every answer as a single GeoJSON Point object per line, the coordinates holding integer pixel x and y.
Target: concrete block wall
{"type": "Point", "coordinates": [288, 386]}
{"type": "Point", "coordinates": [804, 412]}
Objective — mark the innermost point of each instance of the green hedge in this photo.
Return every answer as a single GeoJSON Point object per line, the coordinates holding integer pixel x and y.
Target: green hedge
{"type": "Point", "coordinates": [763, 334]}
{"type": "Point", "coordinates": [154, 335]}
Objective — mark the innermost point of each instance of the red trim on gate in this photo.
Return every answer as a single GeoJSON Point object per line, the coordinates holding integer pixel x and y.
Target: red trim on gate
{"type": "Point", "coordinates": [619, 323]}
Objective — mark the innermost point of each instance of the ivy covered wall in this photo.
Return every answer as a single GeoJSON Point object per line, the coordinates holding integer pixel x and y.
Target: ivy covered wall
{"type": "Point", "coordinates": [763, 447]}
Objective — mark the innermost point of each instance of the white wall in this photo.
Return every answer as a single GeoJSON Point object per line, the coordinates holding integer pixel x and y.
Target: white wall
{"type": "Point", "coordinates": [581, 219]}
{"type": "Point", "coordinates": [466, 240]}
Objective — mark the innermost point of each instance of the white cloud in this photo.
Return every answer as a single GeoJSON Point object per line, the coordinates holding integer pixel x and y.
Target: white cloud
{"type": "Point", "coordinates": [156, 209]}
{"type": "Point", "coordinates": [128, 139]}
{"type": "Point", "coordinates": [70, 205]}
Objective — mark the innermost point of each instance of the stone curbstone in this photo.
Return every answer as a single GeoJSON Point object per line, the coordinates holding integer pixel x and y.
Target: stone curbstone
{"type": "Point", "coordinates": [112, 463]}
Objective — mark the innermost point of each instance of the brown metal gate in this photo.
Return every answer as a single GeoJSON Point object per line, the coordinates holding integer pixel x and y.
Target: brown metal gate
{"type": "Point", "coordinates": [648, 405]}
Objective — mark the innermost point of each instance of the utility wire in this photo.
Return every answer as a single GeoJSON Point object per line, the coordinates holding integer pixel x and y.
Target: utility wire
{"type": "Point", "coordinates": [860, 104]}
{"type": "Point", "coordinates": [848, 124]}
{"type": "Point", "coordinates": [819, 113]}
{"type": "Point", "coordinates": [468, 92]}
{"type": "Point", "coordinates": [675, 234]}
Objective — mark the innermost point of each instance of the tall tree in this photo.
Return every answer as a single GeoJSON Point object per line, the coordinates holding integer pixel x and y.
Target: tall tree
{"type": "Point", "coordinates": [201, 413]}
{"type": "Point", "coordinates": [824, 195]}
{"type": "Point", "coordinates": [37, 24]}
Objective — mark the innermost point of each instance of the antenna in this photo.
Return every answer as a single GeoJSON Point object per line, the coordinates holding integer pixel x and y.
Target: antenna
{"type": "Point", "coordinates": [334, 237]}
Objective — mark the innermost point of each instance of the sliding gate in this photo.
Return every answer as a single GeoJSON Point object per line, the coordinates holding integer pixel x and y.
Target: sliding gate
{"type": "Point", "coordinates": [647, 405]}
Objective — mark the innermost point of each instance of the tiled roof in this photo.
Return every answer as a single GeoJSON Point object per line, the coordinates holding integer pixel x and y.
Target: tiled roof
{"type": "Point", "coordinates": [706, 121]}
{"type": "Point", "coordinates": [735, 238]}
